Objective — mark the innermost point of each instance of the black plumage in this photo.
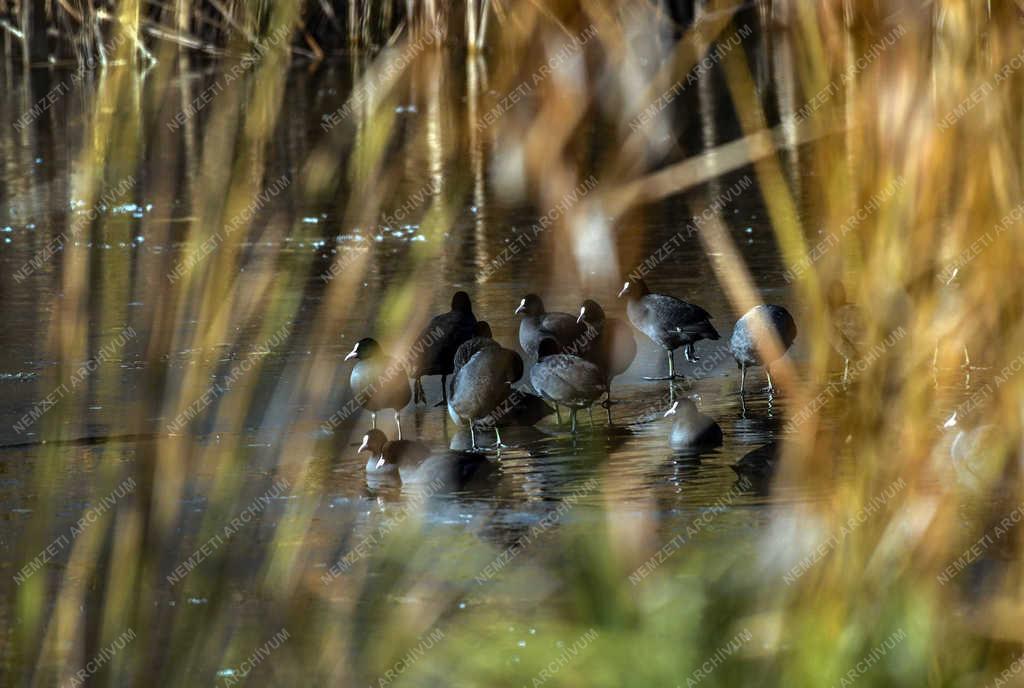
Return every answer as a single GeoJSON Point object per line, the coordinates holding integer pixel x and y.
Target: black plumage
{"type": "Point", "coordinates": [538, 324]}
{"type": "Point", "coordinates": [612, 347]}
{"type": "Point", "coordinates": [482, 385]}
{"type": "Point", "coordinates": [378, 381]}
{"type": "Point", "coordinates": [691, 429]}
{"type": "Point", "coordinates": [438, 343]}
{"type": "Point", "coordinates": [667, 321]}
{"type": "Point", "coordinates": [416, 464]}
{"type": "Point", "coordinates": [759, 464]}
{"type": "Point", "coordinates": [481, 340]}
{"type": "Point", "coordinates": [566, 379]}
{"type": "Point", "coordinates": [751, 339]}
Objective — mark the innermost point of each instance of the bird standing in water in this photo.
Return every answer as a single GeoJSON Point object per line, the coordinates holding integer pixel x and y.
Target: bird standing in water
{"type": "Point", "coordinates": [752, 339]}
{"type": "Point", "coordinates": [438, 343]}
{"type": "Point", "coordinates": [613, 346]}
{"type": "Point", "coordinates": [667, 321]}
{"type": "Point", "coordinates": [378, 381]}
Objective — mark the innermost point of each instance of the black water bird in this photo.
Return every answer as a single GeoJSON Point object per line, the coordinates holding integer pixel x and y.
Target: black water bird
{"type": "Point", "coordinates": [538, 324]}
{"type": "Point", "coordinates": [482, 385]}
{"type": "Point", "coordinates": [439, 341]}
{"type": "Point", "coordinates": [481, 339]}
{"type": "Point", "coordinates": [667, 321]}
{"type": "Point", "coordinates": [566, 379]}
{"type": "Point", "coordinates": [847, 332]}
{"type": "Point", "coordinates": [378, 381]}
{"type": "Point", "coordinates": [691, 429]}
{"type": "Point", "coordinates": [415, 463]}
{"type": "Point", "coordinates": [758, 465]}
{"type": "Point", "coordinates": [752, 339]}
{"type": "Point", "coordinates": [613, 348]}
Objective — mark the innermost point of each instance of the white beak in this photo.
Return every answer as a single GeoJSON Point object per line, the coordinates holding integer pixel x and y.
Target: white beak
{"type": "Point", "coordinates": [522, 307]}
{"type": "Point", "coordinates": [951, 422]}
{"type": "Point", "coordinates": [583, 312]}
{"type": "Point", "coordinates": [353, 352]}
{"type": "Point", "coordinates": [364, 446]}
{"type": "Point", "coordinates": [380, 463]}
{"type": "Point", "coordinates": [625, 288]}
{"type": "Point", "coordinates": [671, 411]}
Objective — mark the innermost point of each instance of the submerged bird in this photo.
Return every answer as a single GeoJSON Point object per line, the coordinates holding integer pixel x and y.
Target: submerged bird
{"type": "Point", "coordinates": [416, 464]}
{"type": "Point", "coordinates": [482, 385]}
{"type": "Point", "coordinates": [439, 341]}
{"type": "Point", "coordinates": [759, 464]}
{"type": "Point", "coordinates": [566, 379]}
{"type": "Point", "coordinates": [538, 324]}
{"type": "Point", "coordinates": [847, 331]}
{"type": "Point", "coordinates": [751, 338]}
{"type": "Point", "coordinates": [613, 348]}
{"type": "Point", "coordinates": [378, 381]}
{"type": "Point", "coordinates": [691, 428]}
{"type": "Point", "coordinates": [667, 321]}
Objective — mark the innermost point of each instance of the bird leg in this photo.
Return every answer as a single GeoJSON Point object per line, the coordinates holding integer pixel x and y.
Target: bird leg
{"type": "Point", "coordinates": [846, 369]}
{"type": "Point", "coordinates": [743, 378]}
{"type": "Point", "coordinates": [671, 370]}
{"type": "Point", "coordinates": [418, 394]}
{"type": "Point", "coordinates": [472, 436]}
{"type": "Point", "coordinates": [444, 393]}
{"type": "Point", "coordinates": [398, 422]}
{"type": "Point", "coordinates": [558, 413]}
{"type": "Point", "coordinates": [373, 420]}
{"type": "Point", "coordinates": [689, 353]}
{"type": "Point", "coordinates": [572, 418]}
{"type": "Point", "coordinates": [771, 387]}
{"type": "Point", "coordinates": [499, 445]}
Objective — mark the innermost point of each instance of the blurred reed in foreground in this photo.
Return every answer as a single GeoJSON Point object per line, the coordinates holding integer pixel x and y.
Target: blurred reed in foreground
{"type": "Point", "coordinates": [908, 118]}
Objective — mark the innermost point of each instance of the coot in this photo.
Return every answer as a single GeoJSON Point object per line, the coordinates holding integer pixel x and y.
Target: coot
{"type": "Point", "coordinates": [566, 379]}
{"type": "Point", "coordinates": [752, 338]}
{"type": "Point", "coordinates": [480, 340]}
{"type": "Point", "coordinates": [758, 465]}
{"type": "Point", "coordinates": [438, 343]}
{"type": "Point", "coordinates": [378, 381]}
{"type": "Point", "coordinates": [667, 321]}
{"type": "Point", "coordinates": [691, 429]}
{"type": "Point", "coordinates": [847, 331]}
{"type": "Point", "coordinates": [538, 324]}
{"type": "Point", "coordinates": [614, 346]}
{"type": "Point", "coordinates": [415, 464]}
{"type": "Point", "coordinates": [481, 385]}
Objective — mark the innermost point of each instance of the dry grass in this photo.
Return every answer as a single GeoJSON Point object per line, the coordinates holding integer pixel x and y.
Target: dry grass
{"type": "Point", "coordinates": [883, 124]}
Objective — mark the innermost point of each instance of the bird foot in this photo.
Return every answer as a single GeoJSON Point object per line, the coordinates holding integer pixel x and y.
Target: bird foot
{"type": "Point", "coordinates": [608, 403]}
{"type": "Point", "coordinates": [443, 402]}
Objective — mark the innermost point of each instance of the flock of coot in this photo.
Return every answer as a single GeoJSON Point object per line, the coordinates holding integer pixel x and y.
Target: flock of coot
{"type": "Point", "coordinates": [573, 360]}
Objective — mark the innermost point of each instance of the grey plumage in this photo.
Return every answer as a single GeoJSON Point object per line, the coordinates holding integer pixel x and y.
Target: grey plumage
{"type": "Point", "coordinates": [752, 335]}
{"type": "Point", "coordinates": [691, 429]}
{"type": "Point", "coordinates": [566, 379]}
{"type": "Point", "coordinates": [538, 324]}
{"type": "Point", "coordinates": [667, 321]}
{"type": "Point", "coordinates": [377, 381]}
{"type": "Point", "coordinates": [482, 384]}
{"type": "Point", "coordinates": [440, 340]}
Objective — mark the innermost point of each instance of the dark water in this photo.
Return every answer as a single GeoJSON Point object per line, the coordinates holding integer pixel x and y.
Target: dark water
{"type": "Point", "coordinates": [639, 471]}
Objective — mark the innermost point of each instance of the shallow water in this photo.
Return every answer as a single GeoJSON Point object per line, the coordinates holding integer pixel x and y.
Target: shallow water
{"type": "Point", "coordinates": [638, 470]}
